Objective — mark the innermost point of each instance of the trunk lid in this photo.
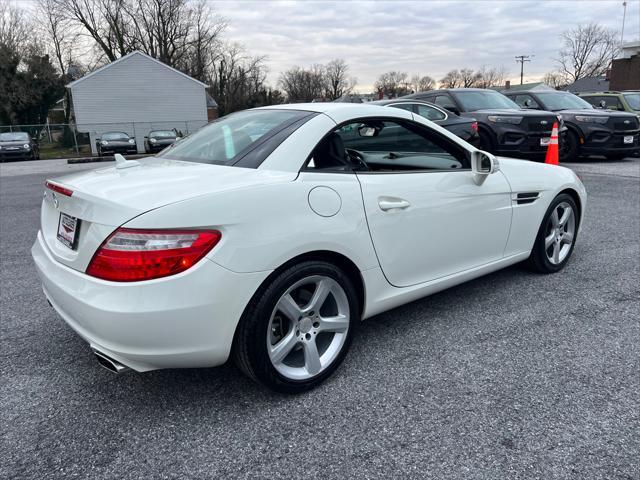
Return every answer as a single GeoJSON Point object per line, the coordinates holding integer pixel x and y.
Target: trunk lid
{"type": "Point", "coordinates": [106, 198]}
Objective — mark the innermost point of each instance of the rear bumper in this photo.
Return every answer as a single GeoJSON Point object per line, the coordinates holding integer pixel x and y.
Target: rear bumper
{"type": "Point", "coordinates": [183, 321]}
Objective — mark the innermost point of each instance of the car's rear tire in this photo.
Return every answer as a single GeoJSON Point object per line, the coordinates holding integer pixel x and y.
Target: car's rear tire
{"type": "Point", "coordinates": [298, 327]}
{"type": "Point", "coordinates": [556, 237]}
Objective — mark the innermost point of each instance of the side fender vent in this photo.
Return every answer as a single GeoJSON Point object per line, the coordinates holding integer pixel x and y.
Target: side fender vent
{"type": "Point", "coordinates": [525, 197]}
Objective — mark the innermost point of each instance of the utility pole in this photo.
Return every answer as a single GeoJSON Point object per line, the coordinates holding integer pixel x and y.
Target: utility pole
{"type": "Point", "coordinates": [521, 59]}
{"type": "Point", "coordinates": [624, 17]}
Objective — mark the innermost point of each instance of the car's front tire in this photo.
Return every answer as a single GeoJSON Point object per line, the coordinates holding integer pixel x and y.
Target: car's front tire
{"type": "Point", "coordinates": [570, 147]}
{"type": "Point", "coordinates": [298, 327]}
{"type": "Point", "coordinates": [556, 237]}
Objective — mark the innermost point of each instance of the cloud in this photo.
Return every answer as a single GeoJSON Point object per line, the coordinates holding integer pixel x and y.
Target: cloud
{"type": "Point", "coordinates": [429, 38]}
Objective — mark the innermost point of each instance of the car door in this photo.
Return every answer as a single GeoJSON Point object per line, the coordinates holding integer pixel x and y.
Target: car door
{"type": "Point", "coordinates": [427, 217]}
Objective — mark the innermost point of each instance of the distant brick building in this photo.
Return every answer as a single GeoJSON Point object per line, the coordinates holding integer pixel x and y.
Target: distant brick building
{"type": "Point", "coordinates": [625, 70]}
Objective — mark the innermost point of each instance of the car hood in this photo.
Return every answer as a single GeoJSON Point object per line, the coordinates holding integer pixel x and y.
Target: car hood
{"type": "Point", "coordinates": [598, 113]}
{"type": "Point", "coordinates": [511, 112]}
{"type": "Point", "coordinates": [112, 196]}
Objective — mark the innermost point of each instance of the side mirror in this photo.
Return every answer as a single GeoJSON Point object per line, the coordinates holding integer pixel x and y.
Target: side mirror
{"type": "Point", "coordinates": [366, 131]}
{"type": "Point", "coordinates": [482, 165]}
{"type": "Point", "coordinates": [527, 103]}
{"type": "Point", "coordinates": [603, 104]}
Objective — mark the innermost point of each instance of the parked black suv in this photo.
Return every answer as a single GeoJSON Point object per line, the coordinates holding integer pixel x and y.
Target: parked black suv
{"type": "Point", "coordinates": [590, 131]}
{"type": "Point", "coordinates": [18, 146]}
{"type": "Point", "coordinates": [505, 128]}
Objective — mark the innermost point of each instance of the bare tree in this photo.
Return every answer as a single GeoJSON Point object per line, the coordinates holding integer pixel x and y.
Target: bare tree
{"type": "Point", "coordinates": [336, 78]}
{"type": "Point", "coordinates": [587, 51]}
{"type": "Point", "coordinates": [393, 84]}
{"type": "Point", "coordinates": [468, 77]}
{"type": "Point", "coordinates": [14, 27]}
{"type": "Point", "coordinates": [422, 83]}
{"type": "Point", "coordinates": [490, 77]}
{"type": "Point", "coordinates": [237, 79]}
{"type": "Point", "coordinates": [303, 85]}
{"type": "Point", "coordinates": [556, 80]}
{"type": "Point", "coordinates": [452, 79]}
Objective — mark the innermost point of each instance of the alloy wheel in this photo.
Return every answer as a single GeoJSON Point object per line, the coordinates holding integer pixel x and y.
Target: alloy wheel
{"type": "Point", "coordinates": [308, 327]}
{"type": "Point", "coordinates": [560, 233]}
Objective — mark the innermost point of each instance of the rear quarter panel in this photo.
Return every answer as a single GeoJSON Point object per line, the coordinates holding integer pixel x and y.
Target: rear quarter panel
{"type": "Point", "coordinates": [266, 225]}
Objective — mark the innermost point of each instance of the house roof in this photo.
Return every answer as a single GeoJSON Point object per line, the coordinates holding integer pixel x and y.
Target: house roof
{"type": "Point", "coordinates": [589, 84]}
{"type": "Point", "coordinates": [129, 55]}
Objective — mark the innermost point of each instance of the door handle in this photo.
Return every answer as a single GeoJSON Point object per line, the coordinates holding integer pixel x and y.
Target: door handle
{"type": "Point", "coordinates": [387, 203]}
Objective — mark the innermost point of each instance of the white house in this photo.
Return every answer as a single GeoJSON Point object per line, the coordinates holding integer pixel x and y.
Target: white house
{"type": "Point", "coordinates": [137, 94]}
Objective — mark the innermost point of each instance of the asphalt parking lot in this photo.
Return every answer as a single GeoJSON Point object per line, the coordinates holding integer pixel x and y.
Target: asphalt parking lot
{"type": "Point", "coordinates": [514, 375]}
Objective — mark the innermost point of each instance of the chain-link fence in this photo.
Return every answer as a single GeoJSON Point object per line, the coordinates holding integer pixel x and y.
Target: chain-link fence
{"type": "Point", "coordinates": [84, 140]}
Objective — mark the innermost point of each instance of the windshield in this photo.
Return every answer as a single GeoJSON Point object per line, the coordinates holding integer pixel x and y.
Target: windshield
{"type": "Point", "coordinates": [633, 99]}
{"type": "Point", "coordinates": [162, 134]}
{"type": "Point", "coordinates": [222, 141]}
{"type": "Point", "coordinates": [14, 137]}
{"type": "Point", "coordinates": [115, 136]}
{"type": "Point", "coordinates": [483, 100]}
{"type": "Point", "coordinates": [562, 101]}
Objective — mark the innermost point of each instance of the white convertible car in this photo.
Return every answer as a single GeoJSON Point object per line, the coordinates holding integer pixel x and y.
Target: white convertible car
{"type": "Point", "coordinates": [269, 234]}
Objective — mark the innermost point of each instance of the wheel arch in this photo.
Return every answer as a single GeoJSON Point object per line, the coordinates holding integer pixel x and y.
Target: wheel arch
{"type": "Point", "coordinates": [338, 259]}
{"type": "Point", "coordinates": [576, 198]}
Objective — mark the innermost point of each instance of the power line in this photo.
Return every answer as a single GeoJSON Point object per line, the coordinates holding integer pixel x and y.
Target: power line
{"type": "Point", "coordinates": [521, 59]}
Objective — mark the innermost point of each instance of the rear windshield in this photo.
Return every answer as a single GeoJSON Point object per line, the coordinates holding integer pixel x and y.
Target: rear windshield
{"type": "Point", "coordinates": [562, 101]}
{"type": "Point", "coordinates": [484, 100]}
{"type": "Point", "coordinates": [14, 137]}
{"type": "Point", "coordinates": [633, 99]}
{"type": "Point", "coordinates": [162, 134]}
{"type": "Point", "coordinates": [115, 136]}
{"type": "Point", "coordinates": [224, 141]}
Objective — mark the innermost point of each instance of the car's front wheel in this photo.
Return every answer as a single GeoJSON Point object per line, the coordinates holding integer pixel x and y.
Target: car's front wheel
{"type": "Point", "coordinates": [298, 328]}
{"type": "Point", "coordinates": [556, 237]}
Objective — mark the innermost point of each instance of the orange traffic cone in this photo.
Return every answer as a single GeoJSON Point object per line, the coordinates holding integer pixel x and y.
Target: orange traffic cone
{"type": "Point", "coordinates": [552, 157]}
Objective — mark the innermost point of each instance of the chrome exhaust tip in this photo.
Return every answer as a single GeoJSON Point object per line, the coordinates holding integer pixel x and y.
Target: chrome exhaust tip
{"type": "Point", "coordinates": [109, 363]}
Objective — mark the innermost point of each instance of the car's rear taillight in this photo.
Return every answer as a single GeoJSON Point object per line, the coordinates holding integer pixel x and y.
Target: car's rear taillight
{"type": "Point", "coordinates": [58, 188]}
{"type": "Point", "coordinates": [130, 255]}
{"type": "Point", "coordinates": [474, 127]}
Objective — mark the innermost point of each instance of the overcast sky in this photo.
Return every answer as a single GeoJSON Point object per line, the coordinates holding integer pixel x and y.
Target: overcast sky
{"type": "Point", "coordinates": [424, 37]}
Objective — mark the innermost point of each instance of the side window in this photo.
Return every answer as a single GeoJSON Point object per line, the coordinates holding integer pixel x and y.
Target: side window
{"type": "Point", "coordinates": [430, 113]}
{"type": "Point", "coordinates": [445, 101]}
{"type": "Point", "coordinates": [610, 102]}
{"type": "Point", "coordinates": [403, 106]}
{"type": "Point", "coordinates": [387, 146]}
{"type": "Point", "coordinates": [525, 101]}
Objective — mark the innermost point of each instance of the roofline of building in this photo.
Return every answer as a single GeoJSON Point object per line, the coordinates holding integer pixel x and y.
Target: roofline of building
{"type": "Point", "coordinates": [135, 52]}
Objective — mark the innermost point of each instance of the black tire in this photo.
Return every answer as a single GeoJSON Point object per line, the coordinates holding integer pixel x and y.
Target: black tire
{"type": "Point", "coordinates": [250, 344]}
{"type": "Point", "coordinates": [538, 260]}
{"type": "Point", "coordinates": [486, 141]}
{"type": "Point", "coordinates": [570, 147]}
